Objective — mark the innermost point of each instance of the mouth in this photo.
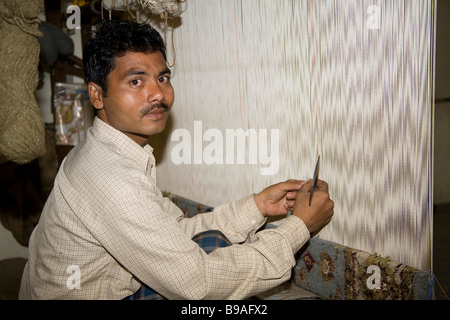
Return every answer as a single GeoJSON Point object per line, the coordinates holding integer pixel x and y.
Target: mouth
{"type": "Point", "coordinates": [155, 112]}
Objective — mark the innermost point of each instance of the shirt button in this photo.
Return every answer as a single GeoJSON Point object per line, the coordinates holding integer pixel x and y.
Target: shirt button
{"type": "Point", "coordinates": [253, 223]}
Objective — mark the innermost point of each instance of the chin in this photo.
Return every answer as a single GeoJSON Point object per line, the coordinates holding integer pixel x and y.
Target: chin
{"type": "Point", "coordinates": [159, 128]}
{"type": "Point", "coordinates": [154, 132]}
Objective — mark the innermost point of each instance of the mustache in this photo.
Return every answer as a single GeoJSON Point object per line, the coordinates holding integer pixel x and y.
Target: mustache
{"type": "Point", "coordinates": [149, 109]}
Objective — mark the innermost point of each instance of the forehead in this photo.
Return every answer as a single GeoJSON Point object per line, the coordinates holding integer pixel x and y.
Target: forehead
{"type": "Point", "coordinates": [150, 63]}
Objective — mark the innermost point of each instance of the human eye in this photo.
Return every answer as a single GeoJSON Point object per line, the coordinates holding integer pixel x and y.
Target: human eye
{"type": "Point", "coordinates": [135, 82]}
{"type": "Point", "coordinates": [164, 79]}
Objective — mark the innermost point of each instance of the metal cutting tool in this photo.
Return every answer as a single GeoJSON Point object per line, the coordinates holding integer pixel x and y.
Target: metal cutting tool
{"type": "Point", "coordinates": [314, 180]}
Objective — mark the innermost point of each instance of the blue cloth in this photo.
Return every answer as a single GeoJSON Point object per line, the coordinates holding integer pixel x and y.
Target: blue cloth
{"type": "Point", "coordinates": [208, 241]}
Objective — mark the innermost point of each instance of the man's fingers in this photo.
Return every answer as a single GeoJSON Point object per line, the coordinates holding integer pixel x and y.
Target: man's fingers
{"type": "Point", "coordinates": [307, 186]}
{"type": "Point", "coordinates": [292, 185]}
{"type": "Point", "coordinates": [321, 185]}
{"type": "Point", "coordinates": [291, 195]}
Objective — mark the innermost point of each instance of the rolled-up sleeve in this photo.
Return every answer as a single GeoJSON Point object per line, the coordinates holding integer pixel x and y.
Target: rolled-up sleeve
{"type": "Point", "coordinates": [238, 220]}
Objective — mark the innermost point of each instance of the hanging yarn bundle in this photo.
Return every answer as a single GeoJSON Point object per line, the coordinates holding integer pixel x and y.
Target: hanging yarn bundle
{"type": "Point", "coordinates": [22, 130]}
{"type": "Point", "coordinates": [165, 8]}
{"type": "Point", "coordinates": [142, 11]}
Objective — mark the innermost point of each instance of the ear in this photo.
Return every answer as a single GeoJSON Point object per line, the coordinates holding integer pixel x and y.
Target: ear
{"type": "Point", "coordinates": [95, 95]}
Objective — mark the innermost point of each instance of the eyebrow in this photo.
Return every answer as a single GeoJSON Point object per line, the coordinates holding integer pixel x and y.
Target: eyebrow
{"type": "Point", "coordinates": [133, 72]}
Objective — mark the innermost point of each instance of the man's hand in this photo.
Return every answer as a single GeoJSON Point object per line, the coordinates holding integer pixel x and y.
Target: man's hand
{"type": "Point", "coordinates": [279, 198]}
{"type": "Point", "coordinates": [321, 210]}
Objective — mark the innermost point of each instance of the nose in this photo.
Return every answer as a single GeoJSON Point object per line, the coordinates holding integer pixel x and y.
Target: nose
{"type": "Point", "coordinates": [155, 92]}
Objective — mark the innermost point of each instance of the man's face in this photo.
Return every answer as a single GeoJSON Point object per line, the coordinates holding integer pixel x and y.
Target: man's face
{"type": "Point", "coordinates": [139, 95]}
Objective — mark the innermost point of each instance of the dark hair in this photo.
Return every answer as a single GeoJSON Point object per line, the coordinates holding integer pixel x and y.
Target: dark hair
{"type": "Point", "coordinates": [114, 38]}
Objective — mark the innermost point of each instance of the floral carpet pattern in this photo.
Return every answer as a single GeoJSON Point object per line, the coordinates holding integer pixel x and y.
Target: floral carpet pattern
{"type": "Point", "coordinates": [338, 272]}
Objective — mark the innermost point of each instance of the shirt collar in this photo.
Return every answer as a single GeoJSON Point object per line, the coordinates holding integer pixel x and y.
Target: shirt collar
{"type": "Point", "coordinates": [123, 144]}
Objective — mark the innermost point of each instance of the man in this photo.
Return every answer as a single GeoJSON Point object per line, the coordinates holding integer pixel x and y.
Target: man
{"type": "Point", "coordinates": [106, 230]}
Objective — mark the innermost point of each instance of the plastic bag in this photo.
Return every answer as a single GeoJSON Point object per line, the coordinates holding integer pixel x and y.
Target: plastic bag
{"type": "Point", "coordinates": [71, 109]}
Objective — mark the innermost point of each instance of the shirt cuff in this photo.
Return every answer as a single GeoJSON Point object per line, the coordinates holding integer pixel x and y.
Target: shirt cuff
{"type": "Point", "coordinates": [295, 232]}
{"type": "Point", "coordinates": [249, 213]}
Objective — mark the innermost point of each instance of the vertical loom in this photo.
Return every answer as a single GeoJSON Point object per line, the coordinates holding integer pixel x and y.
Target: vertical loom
{"type": "Point", "coordinates": [351, 81]}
